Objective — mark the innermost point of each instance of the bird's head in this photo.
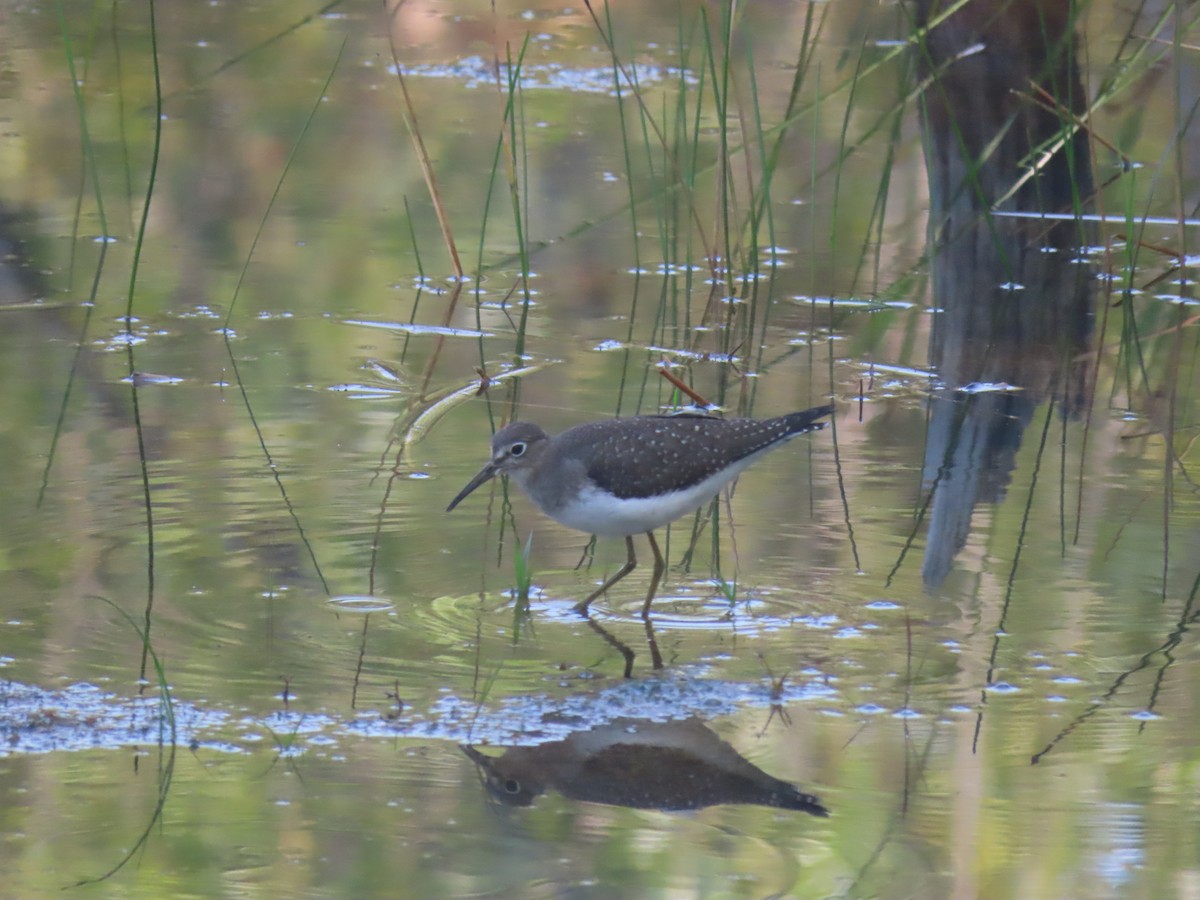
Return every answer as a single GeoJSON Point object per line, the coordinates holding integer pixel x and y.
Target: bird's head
{"type": "Point", "coordinates": [509, 778]}
{"type": "Point", "coordinates": [515, 448]}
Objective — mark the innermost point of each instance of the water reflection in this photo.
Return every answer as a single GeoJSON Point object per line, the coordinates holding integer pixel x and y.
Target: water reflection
{"type": "Point", "coordinates": [20, 283]}
{"type": "Point", "coordinates": [356, 785]}
{"type": "Point", "coordinates": [627, 652]}
{"type": "Point", "coordinates": [1014, 299]}
{"type": "Point", "coordinates": [638, 763]}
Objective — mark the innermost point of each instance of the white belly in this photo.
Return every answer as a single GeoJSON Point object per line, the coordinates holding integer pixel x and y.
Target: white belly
{"type": "Point", "coordinates": [595, 512]}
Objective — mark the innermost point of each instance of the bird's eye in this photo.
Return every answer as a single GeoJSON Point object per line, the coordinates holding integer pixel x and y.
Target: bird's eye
{"type": "Point", "coordinates": [512, 785]}
{"type": "Point", "coordinates": [518, 449]}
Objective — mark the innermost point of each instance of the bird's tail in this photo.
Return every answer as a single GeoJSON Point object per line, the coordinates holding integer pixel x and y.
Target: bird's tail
{"type": "Point", "coordinates": [801, 422]}
{"type": "Point", "coordinates": [796, 799]}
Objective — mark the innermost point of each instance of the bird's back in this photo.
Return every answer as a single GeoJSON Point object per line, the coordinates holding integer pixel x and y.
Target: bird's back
{"type": "Point", "coordinates": [647, 455]}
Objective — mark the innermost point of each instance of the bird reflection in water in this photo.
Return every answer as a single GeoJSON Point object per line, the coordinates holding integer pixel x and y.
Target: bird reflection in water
{"type": "Point", "coordinates": [677, 765]}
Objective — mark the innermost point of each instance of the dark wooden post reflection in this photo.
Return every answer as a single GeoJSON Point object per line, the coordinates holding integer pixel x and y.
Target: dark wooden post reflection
{"type": "Point", "coordinates": [1014, 298]}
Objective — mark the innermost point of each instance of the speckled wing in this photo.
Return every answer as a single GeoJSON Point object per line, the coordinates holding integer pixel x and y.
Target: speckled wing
{"type": "Point", "coordinates": [659, 454]}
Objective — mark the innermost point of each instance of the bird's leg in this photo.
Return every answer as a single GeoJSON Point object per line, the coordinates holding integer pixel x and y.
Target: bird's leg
{"type": "Point", "coordinates": [582, 606]}
{"type": "Point", "coordinates": [660, 566]}
{"type": "Point", "coordinates": [617, 644]}
{"type": "Point", "coordinates": [655, 655]}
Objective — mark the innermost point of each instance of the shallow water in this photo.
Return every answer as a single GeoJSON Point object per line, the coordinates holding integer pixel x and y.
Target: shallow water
{"type": "Point", "coordinates": [992, 695]}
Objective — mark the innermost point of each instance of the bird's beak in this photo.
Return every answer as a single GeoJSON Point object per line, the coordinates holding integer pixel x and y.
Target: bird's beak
{"type": "Point", "coordinates": [484, 762]}
{"type": "Point", "coordinates": [487, 473]}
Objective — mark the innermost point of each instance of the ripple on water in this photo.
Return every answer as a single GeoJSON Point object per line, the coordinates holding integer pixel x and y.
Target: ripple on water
{"type": "Point", "coordinates": [449, 639]}
{"type": "Point", "coordinates": [695, 609]}
{"type": "Point", "coordinates": [362, 603]}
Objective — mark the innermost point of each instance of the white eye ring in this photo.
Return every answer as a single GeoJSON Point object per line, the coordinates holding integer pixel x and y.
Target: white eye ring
{"type": "Point", "coordinates": [518, 449]}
